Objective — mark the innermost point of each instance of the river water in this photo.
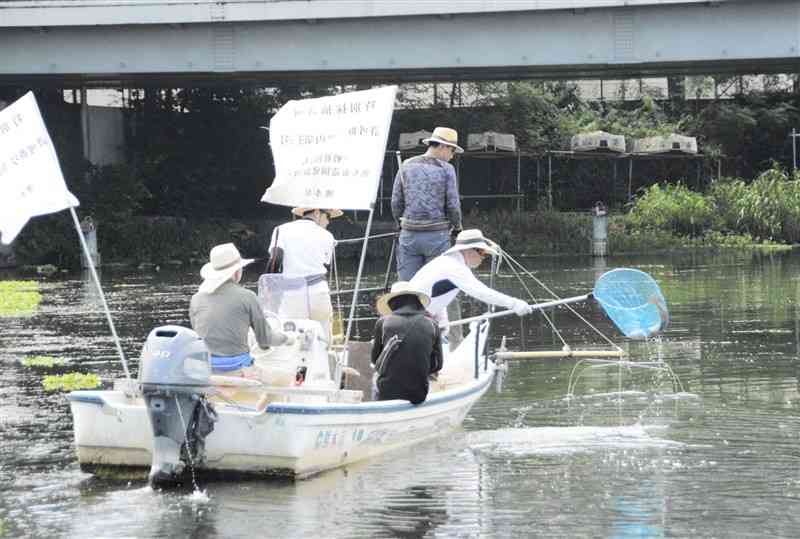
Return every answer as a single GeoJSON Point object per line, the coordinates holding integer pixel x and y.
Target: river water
{"type": "Point", "coordinates": [711, 452]}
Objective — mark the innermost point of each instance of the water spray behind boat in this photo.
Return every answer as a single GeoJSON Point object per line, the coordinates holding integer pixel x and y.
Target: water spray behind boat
{"type": "Point", "coordinates": [175, 376]}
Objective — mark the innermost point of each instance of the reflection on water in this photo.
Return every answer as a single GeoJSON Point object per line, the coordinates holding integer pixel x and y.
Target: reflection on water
{"type": "Point", "coordinates": [629, 456]}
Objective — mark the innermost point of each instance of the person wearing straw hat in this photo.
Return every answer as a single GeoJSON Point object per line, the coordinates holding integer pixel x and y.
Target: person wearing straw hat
{"type": "Point", "coordinates": [445, 276]}
{"type": "Point", "coordinates": [308, 252]}
{"type": "Point", "coordinates": [425, 202]}
{"type": "Point", "coordinates": [407, 347]}
{"type": "Point", "coordinates": [222, 312]}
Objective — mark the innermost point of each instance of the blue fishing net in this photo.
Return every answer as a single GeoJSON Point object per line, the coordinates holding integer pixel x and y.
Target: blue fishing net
{"type": "Point", "coordinates": [633, 301]}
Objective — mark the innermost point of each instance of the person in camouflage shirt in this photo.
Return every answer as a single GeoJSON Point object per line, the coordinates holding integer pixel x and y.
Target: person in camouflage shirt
{"type": "Point", "coordinates": [426, 204]}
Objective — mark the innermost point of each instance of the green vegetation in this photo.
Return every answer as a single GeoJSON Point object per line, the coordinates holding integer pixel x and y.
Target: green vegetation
{"type": "Point", "coordinates": [198, 164]}
{"type": "Point", "coordinates": [535, 233]}
{"type": "Point", "coordinates": [733, 213]}
{"type": "Point", "coordinates": [43, 362]}
{"type": "Point", "coordinates": [118, 473]}
{"type": "Point", "coordinates": [18, 298]}
{"type": "Point", "coordinates": [70, 381]}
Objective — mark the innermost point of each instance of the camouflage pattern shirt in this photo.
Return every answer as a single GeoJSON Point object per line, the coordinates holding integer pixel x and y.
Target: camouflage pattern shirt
{"type": "Point", "coordinates": [425, 195]}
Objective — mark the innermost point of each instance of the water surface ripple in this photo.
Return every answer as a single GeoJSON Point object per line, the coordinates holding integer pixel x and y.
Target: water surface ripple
{"type": "Point", "coordinates": [716, 456]}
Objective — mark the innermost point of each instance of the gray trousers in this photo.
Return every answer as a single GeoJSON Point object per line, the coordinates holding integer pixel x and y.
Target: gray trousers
{"type": "Point", "coordinates": [415, 249]}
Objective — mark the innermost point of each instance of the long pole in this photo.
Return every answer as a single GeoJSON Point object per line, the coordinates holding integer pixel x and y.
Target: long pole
{"type": "Point", "coordinates": [100, 290]}
{"type": "Point", "coordinates": [549, 182]}
{"type": "Point", "coordinates": [535, 307]}
{"type": "Point", "coordinates": [794, 150]}
{"type": "Point", "coordinates": [358, 276]}
{"type": "Point", "coordinates": [519, 181]}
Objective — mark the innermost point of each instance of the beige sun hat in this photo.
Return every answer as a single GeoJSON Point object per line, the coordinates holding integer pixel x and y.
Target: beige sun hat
{"type": "Point", "coordinates": [400, 288]}
{"type": "Point", "coordinates": [472, 239]}
{"type": "Point", "coordinates": [225, 260]}
{"type": "Point", "coordinates": [332, 213]}
{"type": "Point", "coordinates": [446, 136]}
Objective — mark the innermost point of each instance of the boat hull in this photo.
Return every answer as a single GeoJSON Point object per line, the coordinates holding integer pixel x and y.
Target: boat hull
{"type": "Point", "coordinates": [294, 439]}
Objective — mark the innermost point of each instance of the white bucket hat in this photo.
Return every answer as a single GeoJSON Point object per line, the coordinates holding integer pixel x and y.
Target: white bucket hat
{"type": "Point", "coordinates": [332, 213]}
{"type": "Point", "coordinates": [400, 288]}
{"type": "Point", "coordinates": [472, 239]}
{"type": "Point", "coordinates": [446, 136]}
{"type": "Point", "coordinates": [225, 260]}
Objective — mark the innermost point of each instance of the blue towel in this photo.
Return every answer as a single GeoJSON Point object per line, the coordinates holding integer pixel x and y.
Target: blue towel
{"type": "Point", "coordinates": [230, 363]}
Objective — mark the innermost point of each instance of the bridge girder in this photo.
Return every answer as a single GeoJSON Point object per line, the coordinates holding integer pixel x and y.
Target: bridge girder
{"type": "Point", "coordinates": [643, 39]}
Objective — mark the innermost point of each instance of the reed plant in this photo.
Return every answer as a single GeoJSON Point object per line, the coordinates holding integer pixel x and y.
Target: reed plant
{"type": "Point", "coordinates": [672, 207]}
{"type": "Point", "coordinates": [769, 208]}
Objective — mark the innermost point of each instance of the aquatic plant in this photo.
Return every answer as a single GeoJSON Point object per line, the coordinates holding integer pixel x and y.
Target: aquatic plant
{"type": "Point", "coordinates": [70, 381]}
{"type": "Point", "coordinates": [675, 208]}
{"type": "Point", "coordinates": [19, 298]}
{"type": "Point", "coordinates": [44, 362]}
{"type": "Point", "coordinates": [120, 473]}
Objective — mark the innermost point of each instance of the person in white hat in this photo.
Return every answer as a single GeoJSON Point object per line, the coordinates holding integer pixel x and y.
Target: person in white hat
{"type": "Point", "coordinates": [222, 312]}
{"type": "Point", "coordinates": [445, 276]}
{"type": "Point", "coordinates": [407, 346]}
{"type": "Point", "coordinates": [307, 252]}
{"type": "Point", "coordinates": [425, 202]}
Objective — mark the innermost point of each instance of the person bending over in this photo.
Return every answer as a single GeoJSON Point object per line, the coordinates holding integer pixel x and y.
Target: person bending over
{"type": "Point", "coordinates": [450, 273]}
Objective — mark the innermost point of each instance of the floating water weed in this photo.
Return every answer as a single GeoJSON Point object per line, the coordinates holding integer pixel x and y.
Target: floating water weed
{"type": "Point", "coordinates": [70, 381]}
{"type": "Point", "coordinates": [19, 297]}
{"type": "Point", "coordinates": [43, 362]}
{"type": "Point", "coordinates": [118, 473]}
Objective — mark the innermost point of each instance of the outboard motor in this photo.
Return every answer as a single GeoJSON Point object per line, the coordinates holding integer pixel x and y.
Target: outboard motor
{"type": "Point", "coordinates": [174, 373]}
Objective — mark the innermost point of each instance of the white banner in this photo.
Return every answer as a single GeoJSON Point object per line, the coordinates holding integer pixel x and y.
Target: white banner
{"type": "Point", "coordinates": [31, 182]}
{"type": "Point", "coordinates": [329, 151]}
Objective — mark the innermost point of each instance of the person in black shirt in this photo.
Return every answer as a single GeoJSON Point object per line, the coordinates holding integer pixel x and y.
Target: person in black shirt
{"type": "Point", "coordinates": [407, 346]}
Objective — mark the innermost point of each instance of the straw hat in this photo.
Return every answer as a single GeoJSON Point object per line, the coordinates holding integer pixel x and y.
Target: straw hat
{"type": "Point", "coordinates": [472, 239]}
{"type": "Point", "coordinates": [333, 214]}
{"type": "Point", "coordinates": [400, 288]}
{"type": "Point", "coordinates": [446, 136]}
{"type": "Point", "coordinates": [225, 260]}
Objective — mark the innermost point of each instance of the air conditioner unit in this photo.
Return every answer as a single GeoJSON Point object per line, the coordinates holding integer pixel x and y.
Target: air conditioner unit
{"type": "Point", "coordinates": [665, 144]}
{"type": "Point", "coordinates": [599, 141]}
{"type": "Point", "coordinates": [409, 141]}
{"type": "Point", "coordinates": [491, 141]}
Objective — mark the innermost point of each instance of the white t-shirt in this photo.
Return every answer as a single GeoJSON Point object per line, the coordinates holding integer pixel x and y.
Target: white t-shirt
{"type": "Point", "coordinates": [443, 277]}
{"type": "Point", "coordinates": [307, 248]}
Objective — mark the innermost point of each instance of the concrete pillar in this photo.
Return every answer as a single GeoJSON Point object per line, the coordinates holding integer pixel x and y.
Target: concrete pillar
{"type": "Point", "coordinates": [599, 230]}
{"type": "Point", "coordinates": [89, 230]}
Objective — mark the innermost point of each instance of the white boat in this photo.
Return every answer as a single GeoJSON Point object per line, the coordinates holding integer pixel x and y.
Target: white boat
{"type": "Point", "coordinates": [301, 431]}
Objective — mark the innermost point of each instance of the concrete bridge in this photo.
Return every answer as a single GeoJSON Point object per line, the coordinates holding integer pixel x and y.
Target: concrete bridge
{"type": "Point", "coordinates": [102, 43]}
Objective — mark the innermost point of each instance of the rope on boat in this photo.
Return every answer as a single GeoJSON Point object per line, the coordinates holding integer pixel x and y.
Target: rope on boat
{"type": "Point", "coordinates": [363, 238]}
{"type": "Point", "coordinates": [512, 262]}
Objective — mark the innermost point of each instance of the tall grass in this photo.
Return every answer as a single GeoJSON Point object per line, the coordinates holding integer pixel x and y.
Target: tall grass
{"type": "Point", "coordinates": [766, 210]}
{"type": "Point", "coordinates": [672, 207]}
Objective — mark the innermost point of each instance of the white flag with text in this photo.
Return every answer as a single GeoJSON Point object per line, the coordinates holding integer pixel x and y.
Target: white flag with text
{"type": "Point", "coordinates": [329, 151]}
{"type": "Point", "coordinates": [31, 182]}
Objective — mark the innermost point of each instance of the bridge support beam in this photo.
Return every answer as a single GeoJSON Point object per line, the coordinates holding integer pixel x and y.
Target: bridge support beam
{"type": "Point", "coordinates": [746, 36]}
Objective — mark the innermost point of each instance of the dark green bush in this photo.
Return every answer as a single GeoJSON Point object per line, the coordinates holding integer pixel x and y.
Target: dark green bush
{"type": "Point", "coordinates": [671, 207]}
{"type": "Point", "coordinates": [544, 232]}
